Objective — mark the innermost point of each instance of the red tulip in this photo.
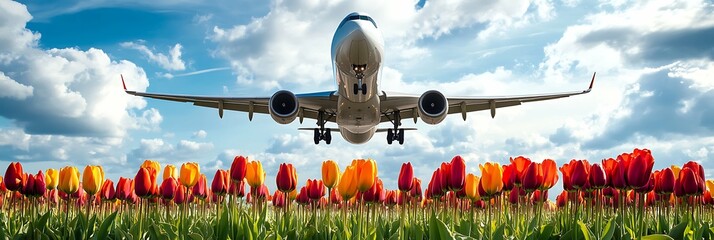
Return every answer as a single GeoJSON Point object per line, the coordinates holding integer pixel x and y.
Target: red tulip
{"type": "Point", "coordinates": [567, 170]}
{"type": "Point", "coordinates": [391, 198]}
{"type": "Point", "coordinates": [562, 199]}
{"type": "Point", "coordinates": [688, 181]}
{"type": "Point", "coordinates": [376, 193]}
{"type": "Point", "coordinates": [220, 183]}
{"type": "Point", "coordinates": [107, 193]}
{"type": "Point", "coordinates": [142, 182]}
{"type": "Point", "coordinates": [580, 174]}
{"type": "Point", "coordinates": [619, 176]}
{"type": "Point", "coordinates": [508, 177]}
{"type": "Point", "coordinates": [169, 187]}
{"type": "Point", "coordinates": [550, 174]}
{"type": "Point", "coordinates": [315, 189]}
{"type": "Point", "coordinates": [335, 196]}
{"type": "Point", "coordinates": [664, 183]}
{"type": "Point", "coordinates": [457, 175]}
{"type": "Point", "coordinates": [539, 196]}
{"type": "Point", "coordinates": [286, 179]}
{"type": "Point", "coordinates": [639, 175]}
{"type": "Point", "coordinates": [302, 197]}
{"type": "Point", "coordinates": [436, 188]}
{"type": "Point", "coordinates": [699, 172]}
{"type": "Point", "coordinates": [261, 192]}
{"type": "Point", "coordinates": [406, 176]}
{"type": "Point", "coordinates": [532, 177]}
{"type": "Point", "coordinates": [124, 189]}
{"type": "Point", "coordinates": [520, 164]}
{"type": "Point", "coordinates": [514, 195]}
{"type": "Point", "coordinates": [79, 194]}
{"type": "Point", "coordinates": [416, 188]}
{"type": "Point", "coordinates": [649, 186]}
{"type": "Point", "coordinates": [13, 176]}
{"type": "Point", "coordinates": [180, 195]}
{"type": "Point", "coordinates": [237, 189]}
{"type": "Point", "coordinates": [598, 177]}
{"type": "Point", "coordinates": [609, 166]}
{"type": "Point", "coordinates": [238, 168]}
{"type": "Point", "coordinates": [199, 190]}
{"type": "Point", "coordinates": [279, 199]}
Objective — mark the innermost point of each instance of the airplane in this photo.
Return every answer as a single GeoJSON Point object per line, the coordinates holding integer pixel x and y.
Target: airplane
{"type": "Point", "coordinates": [358, 106]}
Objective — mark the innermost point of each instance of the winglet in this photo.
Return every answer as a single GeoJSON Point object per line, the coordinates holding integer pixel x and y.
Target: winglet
{"type": "Point", "coordinates": [122, 81]}
{"type": "Point", "coordinates": [592, 82]}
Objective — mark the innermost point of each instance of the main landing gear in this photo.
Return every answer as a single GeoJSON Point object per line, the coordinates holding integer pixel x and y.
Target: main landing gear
{"type": "Point", "coordinates": [396, 133]}
{"type": "Point", "coordinates": [322, 133]}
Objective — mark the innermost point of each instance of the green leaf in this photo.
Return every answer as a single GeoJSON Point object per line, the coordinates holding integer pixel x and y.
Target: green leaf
{"type": "Point", "coordinates": [438, 230]}
{"type": "Point", "coordinates": [609, 230]}
{"type": "Point", "coordinates": [195, 236]}
{"type": "Point", "coordinates": [657, 237]}
{"type": "Point", "coordinates": [585, 231]}
{"type": "Point", "coordinates": [104, 228]}
{"type": "Point", "coordinates": [499, 233]}
{"type": "Point", "coordinates": [677, 232]}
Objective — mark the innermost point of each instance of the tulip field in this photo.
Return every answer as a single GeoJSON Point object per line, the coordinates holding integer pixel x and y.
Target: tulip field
{"type": "Point", "coordinates": [617, 198]}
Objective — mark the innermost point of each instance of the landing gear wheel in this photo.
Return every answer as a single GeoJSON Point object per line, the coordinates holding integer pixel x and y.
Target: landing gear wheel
{"type": "Point", "coordinates": [328, 136]}
{"type": "Point", "coordinates": [355, 89]}
{"type": "Point", "coordinates": [390, 136]}
{"type": "Point", "coordinates": [364, 89]}
{"type": "Point", "coordinates": [316, 136]}
{"type": "Point", "coordinates": [400, 137]}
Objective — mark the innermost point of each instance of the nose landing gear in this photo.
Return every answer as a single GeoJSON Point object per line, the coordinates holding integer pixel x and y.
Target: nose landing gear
{"type": "Point", "coordinates": [359, 74]}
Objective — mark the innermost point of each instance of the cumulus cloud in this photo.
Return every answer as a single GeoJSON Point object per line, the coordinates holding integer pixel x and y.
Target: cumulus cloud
{"type": "Point", "coordinates": [159, 150]}
{"type": "Point", "coordinates": [261, 55]}
{"type": "Point", "coordinates": [171, 61]}
{"type": "Point", "coordinates": [200, 134]}
{"type": "Point", "coordinates": [13, 89]}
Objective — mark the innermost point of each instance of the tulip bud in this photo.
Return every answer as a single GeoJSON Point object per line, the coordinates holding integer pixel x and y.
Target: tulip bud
{"type": "Point", "coordinates": [348, 183]}
{"type": "Point", "coordinates": [490, 179]}
{"type": "Point", "coordinates": [107, 191]}
{"type": "Point", "coordinates": [238, 168]}
{"type": "Point", "coordinates": [509, 177]}
{"type": "Point", "coordinates": [406, 176]}
{"type": "Point", "coordinates": [169, 187]}
{"type": "Point", "coordinates": [68, 180]}
{"type": "Point", "coordinates": [124, 189]}
{"type": "Point", "coordinates": [366, 173]}
{"type": "Point", "coordinates": [639, 175]}
{"type": "Point", "coordinates": [330, 173]}
{"type": "Point", "coordinates": [190, 174]}
{"type": "Point", "coordinates": [13, 176]}
{"type": "Point", "coordinates": [597, 176]}
{"type": "Point", "coordinates": [315, 189]}
{"type": "Point", "coordinates": [457, 175]}
{"type": "Point", "coordinates": [199, 190]}
{"type": "Point", "coordinates": [220, 183]}
{"type": "Point", "coordinates": [286, 179]}
{"type": "Point", "coordinates": [170, 171]}
{"type": "Point", "coordinates": [254, 174]}
{"type": "Point", "coordinates": [532, 177]}
{"type": "Point", "coordinates": [52, 179]}
{"type": "Point", "coordinates": [579, 174]}
{"type": "Point", "coordinates": [416, 188]}
{"type": "Point", "coordinates": [92, 179]}
{"type": "Point", "coordinates": [519, 165]}
{"type": "Point", "coordinates": [279, 199]}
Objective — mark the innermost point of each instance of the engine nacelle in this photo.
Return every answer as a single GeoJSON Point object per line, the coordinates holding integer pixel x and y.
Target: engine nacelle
{"type": "Point", "coordinates": [433, 107]}
{"type": "Point", "coordinates": [283, 106]}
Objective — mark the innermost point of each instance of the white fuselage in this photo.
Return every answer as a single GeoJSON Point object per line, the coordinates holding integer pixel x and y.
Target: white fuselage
{"type": "Point", "coordinates": [357, 47]}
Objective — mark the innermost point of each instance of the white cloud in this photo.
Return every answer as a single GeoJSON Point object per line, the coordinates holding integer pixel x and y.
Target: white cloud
{"type": "Point", "coordinates": [261, 55]}
{"type": "Point", "coordinates": [12, 89]}
{"type": "Point", "coordinates": [159, 150]}
{"type": "Point", "coordinates": [171, 61]}
{"type": "Point", "coordinates": [200, 134]}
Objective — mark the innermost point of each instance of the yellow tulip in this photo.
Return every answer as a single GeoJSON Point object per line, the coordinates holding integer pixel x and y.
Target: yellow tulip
{"type": "Point", "coordinates": [190, 173]}
{"type": "Point", "coordinates": [92, 179]}
{"type": "Point", "coordinates": [152, 164]}
{"type": "Point", "coordinates": [347, 186]}
{"type": "Point", "coordinates": [170, 172]}
{"type": "Point", "coordinates": [366, 172]}
{"type": "Point", "coordinates": [330, 173]}
{"type": "Point", "coordinates": [491, 178]}
{"type": "Point", "coordinates": [51, 179]}
{"type": "Point", "coordinates": [254, 174]}
{"type": "Point", "coordinates": [69, 180]}
{"type": "Point", "coordinates": [471, 186]}
{"type": "Point", "coordinates": [710, 185]}
{"type": "Point", "coordinates": [676, 169]}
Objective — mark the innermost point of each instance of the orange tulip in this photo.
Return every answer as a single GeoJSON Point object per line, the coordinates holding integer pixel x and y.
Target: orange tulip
{"type": "Point", "coordinates": [69, 180]}
{"type": "Point", "coordinates": [330, 173]}
{"type": "Point", "coordinates": [366, 173]}
{"type": "Point", "coordinates": [286, 179]}
{"type": "Point", "coordinates": [254, 174]}
{"type": "Point", "coordinates": [520, 164]}
{"type": "Point", "coordinates": [124, 189]}
{"type": "Point", "coordinates": [550, 174]}
{"type": "Point", "coordinates": [13, 176]}
{"type": "Point", "coordinates": [190, 173]}
{"type": "Point", "coordinates": [609, 166]}
{"type": "Point", "coordinates": [471, 186]}
{"type": "Point", "coordinates": [676, 169]}
{"type": "Point", "coordinates": [92, 179]}
{"type": "Point", "coordinates": [710, 185]}
{"type": "Point", "coordinates": [347, 186]}
{"type": "Point", "coordinates": [152, 165]}
{"type": "Point", "coordinates": [170, 172]}
{"type": "Point", "coordinates": [52, 178]}
{"type": "Point", "coordinates": [491, 178]}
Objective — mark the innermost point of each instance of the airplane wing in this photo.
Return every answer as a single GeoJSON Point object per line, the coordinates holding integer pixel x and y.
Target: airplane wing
{"type": "Point", "coordinates": [310, 103]}
{"type": "Point", "coordinates": [406, 104]}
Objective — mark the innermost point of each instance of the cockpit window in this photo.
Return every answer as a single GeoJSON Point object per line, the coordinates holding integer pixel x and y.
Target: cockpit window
{"type": "Point", "coordinates": [358, 17]}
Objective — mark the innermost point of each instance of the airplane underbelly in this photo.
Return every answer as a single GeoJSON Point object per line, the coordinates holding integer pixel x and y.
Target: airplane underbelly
{"type": "Point", "coordinates": [358, 117]}
{"type": "Point", "coordinates": [357, 138]}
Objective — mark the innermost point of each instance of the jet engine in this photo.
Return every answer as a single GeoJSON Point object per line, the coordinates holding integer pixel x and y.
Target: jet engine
{"type": "Point", "coordinates": [433, 107]}
{"type": "Point", "coordinates": [283, 106]}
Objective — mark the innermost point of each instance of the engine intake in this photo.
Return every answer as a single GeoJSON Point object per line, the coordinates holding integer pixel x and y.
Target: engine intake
{"type": "Point", "coordinates": [433, 107]}
{"type": "Point", "coordinates": [283, 106]}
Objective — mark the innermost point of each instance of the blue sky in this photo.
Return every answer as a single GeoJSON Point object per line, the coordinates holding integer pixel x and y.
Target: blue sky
{"type": "Point", "coordinates": [63, 102]}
